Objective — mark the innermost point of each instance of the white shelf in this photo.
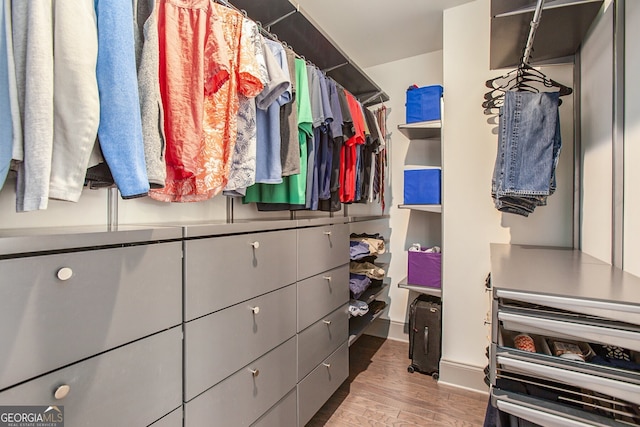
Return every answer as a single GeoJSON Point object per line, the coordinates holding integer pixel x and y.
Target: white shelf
{"type": "Point", "coordinates": [436, 292]}
{"type": "Point", "coordinates": [424, 208]}
{"type": "Point", "coordinates": [422, 130]}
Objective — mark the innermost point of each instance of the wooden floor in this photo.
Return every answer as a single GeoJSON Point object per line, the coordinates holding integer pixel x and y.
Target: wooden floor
{"type": "Point", "coordinates": [380, 392]}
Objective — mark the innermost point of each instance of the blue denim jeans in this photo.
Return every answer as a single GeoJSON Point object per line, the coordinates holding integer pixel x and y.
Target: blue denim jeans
{"type": "Point", "coordinates": [529, 145]}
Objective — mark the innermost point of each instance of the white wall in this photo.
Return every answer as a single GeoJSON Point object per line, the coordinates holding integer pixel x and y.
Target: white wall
{"type": "Point", "coordinates": [405, 226]}
{"type": "Point", "coordinates": [471, 222]}
{"type": "Point", "coordinates": [90, 210]}
{"type": "Point", "coordinates": [632, 141]}
{"type": "Point", "coordinates": [597, 123]}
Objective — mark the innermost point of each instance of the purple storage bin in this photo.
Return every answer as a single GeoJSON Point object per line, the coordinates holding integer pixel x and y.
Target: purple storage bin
{"type": "Point", "coordinates": [424, 269]}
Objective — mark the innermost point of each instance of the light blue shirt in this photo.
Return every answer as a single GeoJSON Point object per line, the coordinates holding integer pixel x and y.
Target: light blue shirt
{"type": "Point", "coordinates": [277, 93]}
{"type": "Point", "coordinates": [120, 130]}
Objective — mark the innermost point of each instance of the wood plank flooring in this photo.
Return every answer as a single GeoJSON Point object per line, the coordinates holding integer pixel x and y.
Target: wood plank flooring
{"type": "Point", "coordinates": [380, 392]}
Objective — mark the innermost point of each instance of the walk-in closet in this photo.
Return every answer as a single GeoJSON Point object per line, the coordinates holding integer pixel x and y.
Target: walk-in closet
{"type": "Point", "coordinates": [283, 213]}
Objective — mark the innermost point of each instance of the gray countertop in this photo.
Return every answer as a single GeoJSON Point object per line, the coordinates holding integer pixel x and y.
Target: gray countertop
{"type": "Point", "coordinates": [16, 242]}
{"type": "Point", "coordinates": [563, 272]}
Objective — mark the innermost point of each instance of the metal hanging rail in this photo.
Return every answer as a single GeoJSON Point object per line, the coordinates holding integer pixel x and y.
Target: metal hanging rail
{"type": "Point", "coordinates": [532, 32]}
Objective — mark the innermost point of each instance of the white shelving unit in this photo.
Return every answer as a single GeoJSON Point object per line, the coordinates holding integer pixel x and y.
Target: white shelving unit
{"type": "Point", "coordinates": [422, 130]}
{"type": "Point", "coordinates": [431, 131]}
{"type": "Point", "coordinates": [423, 208]}
{"type": "Point", "coordinates": [425, 139]}
{"type": "Point", "coordinates": [436, 292]}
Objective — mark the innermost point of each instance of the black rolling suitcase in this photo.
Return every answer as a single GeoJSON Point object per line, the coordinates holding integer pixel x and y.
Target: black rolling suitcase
{"type": "Point", "coordinates": [425, 326]}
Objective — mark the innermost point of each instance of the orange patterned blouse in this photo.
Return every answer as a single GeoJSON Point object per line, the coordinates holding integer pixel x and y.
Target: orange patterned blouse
{"type": "Point", "coordinates": [203, 68]}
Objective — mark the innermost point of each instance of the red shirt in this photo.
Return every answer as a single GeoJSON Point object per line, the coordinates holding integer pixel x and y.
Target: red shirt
{"type": "Point", "coordinates": [348, 152]}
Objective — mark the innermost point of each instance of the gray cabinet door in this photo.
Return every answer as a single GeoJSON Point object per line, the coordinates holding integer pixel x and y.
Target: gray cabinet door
{"type": "Point", "coordinates": [243, 397]}
{"type": "Point", "coordinates": [219, 344]}
{"type": "Point", "coordinates": [321, 383]}
{"type": "Point", "coordinates": [222, 271]}
{"type": "Point", "coordinates": [322, 248]}
{"type": "Point", "coordinates": [321, 339]}
{"type": "Point", "coordinates": [283, 414]}
{"type": "Point", "coordinates": [133, 385]}
{"type": "Point", "coordinates": [58, 309]}
{"type": "Point", "coordinates": [321, 294]}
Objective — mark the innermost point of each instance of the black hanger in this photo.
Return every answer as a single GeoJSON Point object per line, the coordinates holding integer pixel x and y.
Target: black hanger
{"type": "Point", "coordinates": [525, 78]}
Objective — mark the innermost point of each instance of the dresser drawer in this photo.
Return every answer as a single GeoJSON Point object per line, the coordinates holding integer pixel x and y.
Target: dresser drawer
{"type": "Point", "coordinates": [243, 397]}
{"type": "Point", "coordinates": [283, 414]}
{"type": "Point", "coordinates": [223, 271]}
{"type": "Point", "coordinates": [559, 325]}
{"type": "Point", "coordinates": [133, 385]}
{"type": "Point", "coordinates": [321, 339]}
{"type": "Point", "coordinates": [58, 309]}
{"type": "Point", "coordinates": [321, 294]}
{"type": "Point", "coordinates": [173, 419]}
{"type": "Point", "coordinates": [544, 413]}
{"type": "Point", "coordinates": [219, 344]}
{"type": "Point", "coordinates": [589, 373]}
{"type": "Point", "coordinates": [322, 248]}
{"type": "Point", "coordinates": [321, 383]}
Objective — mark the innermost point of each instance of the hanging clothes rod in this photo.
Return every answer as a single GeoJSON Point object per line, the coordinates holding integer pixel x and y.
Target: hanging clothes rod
{"type": "Point", "coordinates": [267, 33]}
{"type": "Point", "coordinates": [532, 32]}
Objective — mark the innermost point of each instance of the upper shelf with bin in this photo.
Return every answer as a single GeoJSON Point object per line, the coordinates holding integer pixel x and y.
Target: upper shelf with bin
{"type": "Point", "coordinates": [430, 129]}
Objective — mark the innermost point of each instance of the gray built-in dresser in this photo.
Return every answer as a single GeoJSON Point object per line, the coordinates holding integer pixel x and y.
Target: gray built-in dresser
{"type": "Point", "coordinates": [561, 295]}
{"type": "Point", "coordinates": [195, 324]}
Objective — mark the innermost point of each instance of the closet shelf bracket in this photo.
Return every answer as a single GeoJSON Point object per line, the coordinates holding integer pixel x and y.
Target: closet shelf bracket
{"type": "Point", "coordinates": [335, 67]}
{"type": "Point", "coordinates": [282, 18]}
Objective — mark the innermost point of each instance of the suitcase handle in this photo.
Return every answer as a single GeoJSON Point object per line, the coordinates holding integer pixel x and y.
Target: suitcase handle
{"type": "Point", "coordinates": [426, 340]}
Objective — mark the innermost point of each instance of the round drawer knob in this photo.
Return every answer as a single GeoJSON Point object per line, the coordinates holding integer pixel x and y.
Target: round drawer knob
{"type": "Point", "coordinates": [327, 233]}
{"type": "Point", "coordinates": [65, 273]}
{"type": "Point", "coordinates": [328, 278]}
{"type": "Point", "coordinates": [255, 309]}
{"type": "Point", "coordinates": [327, 322]}
{"type": "Point", "coordinates": [255, 245]}
{"type": "Point", "coordinates": [254, 372]}
{"type": "Point", "coordinates": [328, 365]}
{"type": "Point", "coordinates": [62, 392]}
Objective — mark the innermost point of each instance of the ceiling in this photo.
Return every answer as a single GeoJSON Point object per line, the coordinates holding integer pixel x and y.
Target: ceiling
{"type": "Point", "coordinates": [373, 32]}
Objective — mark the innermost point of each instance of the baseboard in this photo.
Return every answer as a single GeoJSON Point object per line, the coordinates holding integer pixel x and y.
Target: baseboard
{"type": "Point", "coordinates": [464, 376]}
{"type": "Point", "coordinates": [385, 328]}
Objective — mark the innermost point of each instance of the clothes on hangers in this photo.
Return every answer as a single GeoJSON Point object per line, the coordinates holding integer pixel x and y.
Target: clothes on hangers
{"type": "Point", "coordinates": [120, 128]}
{"type": "Point", "coordinates": [292, 190]}
{"type": "Point", "coordinates": [187, 100]}
{"type": "Point", "coordinates": [147, 60]}
{"type": "Point", "coordinates": [289, 146]}
{"type": "Point", "coordinates": [57, 97]}
{"type": "Point", "coordinates": [243, 165]}
{"type": "Point", "coordinates": [269, 168]}
{"type": "Point", "coordinates": [200, 146]}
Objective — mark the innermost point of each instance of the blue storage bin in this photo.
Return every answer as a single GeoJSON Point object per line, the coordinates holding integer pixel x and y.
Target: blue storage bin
{"type": "Point", "coordinates": [423, 103]}
{"type": "Point", "coordinates": [422, 186]}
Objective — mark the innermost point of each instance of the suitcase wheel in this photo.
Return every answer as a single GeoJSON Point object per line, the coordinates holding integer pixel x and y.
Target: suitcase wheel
{"type": "Point", "coordinates": [435, 376]}
{"type": "Point", "coordinates": [411, 369]}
